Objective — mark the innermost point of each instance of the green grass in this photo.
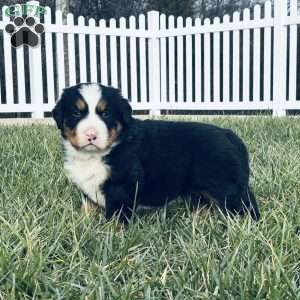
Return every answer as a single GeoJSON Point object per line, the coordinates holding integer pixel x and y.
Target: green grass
{"type": "Point", "coordinates": [49, 250]}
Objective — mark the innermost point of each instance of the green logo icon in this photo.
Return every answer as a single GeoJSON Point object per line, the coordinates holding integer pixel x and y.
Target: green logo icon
{"type": "Point", "coordinates": [20, 10]}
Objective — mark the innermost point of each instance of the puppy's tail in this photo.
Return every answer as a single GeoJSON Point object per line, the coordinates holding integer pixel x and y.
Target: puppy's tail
{"type": "Point", "coordinates": [250, 204]}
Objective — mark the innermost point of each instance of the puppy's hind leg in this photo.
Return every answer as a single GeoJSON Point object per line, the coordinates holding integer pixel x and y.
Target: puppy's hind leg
{"type": "Point", "coordinates": [197, 201]}
{"type": "Point", "coordinates": [237, 202]}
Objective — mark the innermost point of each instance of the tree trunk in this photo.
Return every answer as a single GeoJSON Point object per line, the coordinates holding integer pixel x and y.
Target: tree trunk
{"type": "Point", "coordinates": [64, 7]}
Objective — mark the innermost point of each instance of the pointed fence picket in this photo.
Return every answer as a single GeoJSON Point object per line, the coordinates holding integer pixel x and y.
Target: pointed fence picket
{"type": "Point", "coordinates": [226, 62]}
{"type": "Point", "coordinates": [113, 55]}
{"type": "Point", "coordinates": [49, 60]}
{"type": "Point", "coordinates": [123, 50]}
{"type": "Point", "coordinates": [267, 54]}
{"type": "Point", "coordinates": [246, 58]}
{"type": "Point", "coordinates": [103, 54]}
{"type": "Point", "coordinates": [36, 76]}
{"type": "Point", "coordinates": [143, 65]}
{"type": "Point", "coordinates": [180, 72]}
{"type": "Point", "coordinates": [189, 63]}
{"type": "Point", "coordinates": [133, 59]}
{"type": "Point", "coordinates": [256, 57]}
{"type": "Point", "coordinates": [163, 62]}
{"type": "Point", "coordinates": [216, 63]}
{"type": "Point", "coordinates": [236, 61]}
{"type": "Point", "coordinates": [71, 52]}
{"type": "Point", "coordinates": [198, 67]}
{"type": "Point", "coordinates": [93, 57]}
{"type": "Point", "coordinates": [207, 70]}
{"type": "Point", "coordinates": [60, 59]}
{"type": "Point", "coordinates": [172, 62]}
{"type": "Point", "coordinates": [247, 61]}
{"type": "Point", "coordinates": [7, 63]}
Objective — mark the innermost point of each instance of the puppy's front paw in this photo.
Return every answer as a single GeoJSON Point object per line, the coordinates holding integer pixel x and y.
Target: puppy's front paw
{"type": "Point", "coordinates": [88, 207]}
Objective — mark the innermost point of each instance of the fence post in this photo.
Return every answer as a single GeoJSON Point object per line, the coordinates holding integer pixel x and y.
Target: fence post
{"type": "Point", "coordinates": [280, 52]}
{"type": "Point", "coordinates": [154, 63]}
{"type": "Point", "coordinates": [35, 71]}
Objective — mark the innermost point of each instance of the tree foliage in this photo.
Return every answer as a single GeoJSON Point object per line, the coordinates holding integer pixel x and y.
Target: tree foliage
{"type": "Point", "coordinates": [123, 8]}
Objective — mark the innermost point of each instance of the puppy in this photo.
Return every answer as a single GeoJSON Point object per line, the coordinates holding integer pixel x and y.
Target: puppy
{"type": "Point", "coordinates": [119, 162]}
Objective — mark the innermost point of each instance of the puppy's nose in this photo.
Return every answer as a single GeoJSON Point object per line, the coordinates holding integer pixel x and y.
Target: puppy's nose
{"type": "Point", "coordinates": [91, 135]}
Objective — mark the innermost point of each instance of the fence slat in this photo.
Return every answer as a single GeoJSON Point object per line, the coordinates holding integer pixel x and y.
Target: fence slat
{"type": "Point", "coordinates": [103, 54]}
{"type": "Point", "coordinates": [154, 63]}
{"type": "Point", "coordinates": [7, 62]}
{"type": "Point", "coordinates": [267, 54]}
{"type": "Point", "coordinates": [113, 55]}
{"type": "Point", "coordinates": [71, 52]}
{"type": "Point", "coordinates": [21, 75]}
{"type": "Point", "coordinates": [293, 54]}
{"type": "Point", "coordinates": [123, 57]}
{"type": "Point", "coordinates": [49, 59]}
{"type": "Point", "coordinates": [36, 76]}
{"type": "Point", "coordinates": [216, 63]}
{"type": "Point", "coordinates": [246, 57]}
{"type": "Point", "coordinates": [280, 55]}
{"type": "Point", "coordinates": [60, 60]}
{"type": "Point", "coordinates": [180, 71]}
{"type": "Point", "coordinates": [189, 63]}
{"type": "Point", "coordinates": [207, 69]}
{"type": "Point", "coordinates": [133, 66]}
{"type": "Point", "coordinates": [142, 54]}
{"type": "Point", "coordinates": [171, 62]}
{"type": "Point", "coordinates": [198, 63]}
{"type": "Point", "coordinates": [256, 57]}
{"type": "Point", "coordinates": [93, 57]}
{"type": "Point", "coordinates": [82, 52]}
{"type": "Point", "coordinates": [226, 52]}
{"type": "Point", "coordinates": [163, 63]}
{"type": "Point", "coordinates": [236, 60]}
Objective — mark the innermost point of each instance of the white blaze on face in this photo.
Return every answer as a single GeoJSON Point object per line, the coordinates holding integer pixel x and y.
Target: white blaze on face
{"type": "Point", "coordinates": [92, 123]}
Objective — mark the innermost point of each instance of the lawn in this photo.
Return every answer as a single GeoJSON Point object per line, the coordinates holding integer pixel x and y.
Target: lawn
{"type": "Point", "coordinates": [49, 250]}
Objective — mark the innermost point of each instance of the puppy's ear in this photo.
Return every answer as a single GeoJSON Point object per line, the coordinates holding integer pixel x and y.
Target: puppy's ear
{"type": "Point", "coordinates": [124, 107]}
{"type": "Point", "coordinates": [58, 114]}
{"type": "Point", "coordinates": [126, 110]}
{"type": "Point", "coordinates": [121, 104]}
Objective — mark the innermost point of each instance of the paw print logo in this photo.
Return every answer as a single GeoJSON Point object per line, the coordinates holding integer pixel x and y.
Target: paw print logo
{"type": "Point", "coordinates": [24, 31]}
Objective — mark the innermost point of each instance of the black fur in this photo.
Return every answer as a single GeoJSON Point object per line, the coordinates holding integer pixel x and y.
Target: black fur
{"type": "Point", "coordinates": [157, 161]}
{"type": "Point", "coordinates": [163, 160]}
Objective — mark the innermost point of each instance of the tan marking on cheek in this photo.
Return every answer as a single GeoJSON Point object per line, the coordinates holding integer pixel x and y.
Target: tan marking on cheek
{"type": "Point", "coordinates": [114, 134]}
{"type": "Point", "coordinates": [81, 105]}
{"type": "Point", "coordinates": [71, 136]}
{"type": "Point", "coordinates": [101, 105]}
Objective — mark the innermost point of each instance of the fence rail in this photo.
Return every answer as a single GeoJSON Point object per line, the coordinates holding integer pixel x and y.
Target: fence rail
{"type": "Point", "coordinates": [247, 61]}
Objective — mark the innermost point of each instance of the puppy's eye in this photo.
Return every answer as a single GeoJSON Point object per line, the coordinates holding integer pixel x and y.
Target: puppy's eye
{"type": "Point", "coordinates": [105, 114]}
{"type": "Point", "coordinates": [76, 114]}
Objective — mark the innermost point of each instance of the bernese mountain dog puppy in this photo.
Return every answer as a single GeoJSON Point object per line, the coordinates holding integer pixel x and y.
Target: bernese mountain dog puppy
{"type": "Point", "coordinates": [120, 163]}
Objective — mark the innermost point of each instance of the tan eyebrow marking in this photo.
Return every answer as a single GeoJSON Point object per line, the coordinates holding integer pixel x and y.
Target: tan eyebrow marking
{"type": "Point", "coordinates": [101, 105]}
{"type": "Point", "coordinates": [81, 105]}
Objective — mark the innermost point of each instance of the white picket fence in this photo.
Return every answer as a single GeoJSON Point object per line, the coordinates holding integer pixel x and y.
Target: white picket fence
{"type": "Point", "coordinates": [244, 62]}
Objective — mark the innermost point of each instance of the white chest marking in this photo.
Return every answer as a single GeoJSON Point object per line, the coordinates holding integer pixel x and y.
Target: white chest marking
{"type": "Point", "coordinates": [87, 171]}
